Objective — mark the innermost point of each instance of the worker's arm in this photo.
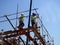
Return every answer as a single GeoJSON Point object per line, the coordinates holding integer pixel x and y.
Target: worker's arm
{"type": "Point", "coordinates": [37, 16]}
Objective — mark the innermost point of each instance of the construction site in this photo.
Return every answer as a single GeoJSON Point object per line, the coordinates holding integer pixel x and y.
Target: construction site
{"type": "Point", "coordinates": [27, 35]}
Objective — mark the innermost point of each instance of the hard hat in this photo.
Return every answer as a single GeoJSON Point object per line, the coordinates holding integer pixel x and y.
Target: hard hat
{"type": "Point", "coordinates": [22, 14]}
{"type": "Point", "coordinates": [33, 14]}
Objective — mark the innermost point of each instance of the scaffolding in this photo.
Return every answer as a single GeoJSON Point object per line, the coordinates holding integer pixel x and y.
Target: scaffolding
{"type": "Point", "coordinates": [41, 35]}
{"type": "Point", "coordinates": [13, 37]}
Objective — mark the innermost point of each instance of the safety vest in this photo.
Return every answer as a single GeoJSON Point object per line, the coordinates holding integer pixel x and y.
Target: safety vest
{"type": "Point", "coordinates": [21, 19]}
{"type": "Point", "coordinates": [32, 17]}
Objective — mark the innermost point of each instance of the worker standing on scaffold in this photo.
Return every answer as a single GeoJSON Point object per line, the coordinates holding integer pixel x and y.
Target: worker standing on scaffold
{"type": "Point", "coordinates": [33, 17]}
{"type": "Point", "coordinates": [21, 20]}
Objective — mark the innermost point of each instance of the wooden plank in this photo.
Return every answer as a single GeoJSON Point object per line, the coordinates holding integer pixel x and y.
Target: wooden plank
{"type": "Point", "coordinates": [34, 41]}
{"type": "Point", "coordinates": [15, 31]}
{"type": "Point", "coordinates": [39, 36]}
{"type": "Point", "coordinates": [24, 32]}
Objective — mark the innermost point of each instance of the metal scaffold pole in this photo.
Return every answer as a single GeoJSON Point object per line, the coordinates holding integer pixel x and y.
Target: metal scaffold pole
{"type": "Point", "coordinates": [14, 28]}
{"type": "Point", "coordinates": [29, 20]}
{"type": "Point", "coordinates": [16, 15]}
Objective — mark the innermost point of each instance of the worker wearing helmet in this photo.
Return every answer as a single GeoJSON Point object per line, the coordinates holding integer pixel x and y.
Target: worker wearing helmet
{"type": "Point", "coordinates": [21, 20]}
{"type": "Point", "coordinates": [33, 19]}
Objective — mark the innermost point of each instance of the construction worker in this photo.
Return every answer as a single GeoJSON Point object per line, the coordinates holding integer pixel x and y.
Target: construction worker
{"type": "Point", "coordinates": [37, 19]}
{"type": "Point", "coordinates": [33, 17]}
{"type": "Point", "coordinates": [21, 20]}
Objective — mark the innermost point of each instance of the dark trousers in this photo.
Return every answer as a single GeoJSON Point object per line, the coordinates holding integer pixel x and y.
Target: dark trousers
{"type": "Point", "coordinates": [32, 22]}
{"type": "Point", "coordinates": [21, 24]}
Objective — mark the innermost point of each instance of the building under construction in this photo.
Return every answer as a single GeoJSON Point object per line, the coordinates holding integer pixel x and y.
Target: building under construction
{"type": "Point", "coordinates": [13, 37]}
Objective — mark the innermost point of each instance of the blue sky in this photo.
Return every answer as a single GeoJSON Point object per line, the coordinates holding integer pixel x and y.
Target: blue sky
{"type": "Point", "coordinates": [48, 9]}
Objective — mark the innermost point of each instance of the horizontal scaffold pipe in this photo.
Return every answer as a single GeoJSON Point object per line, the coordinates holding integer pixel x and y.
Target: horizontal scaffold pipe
{"type": "Point", "coordinates": [19, 12]}
{"type": "Point", "coordinates": [12, 19]}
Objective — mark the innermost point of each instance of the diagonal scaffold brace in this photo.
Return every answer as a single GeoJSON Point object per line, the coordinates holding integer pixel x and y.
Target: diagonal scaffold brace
{"type": "Point", "coordinates": [13, 28]}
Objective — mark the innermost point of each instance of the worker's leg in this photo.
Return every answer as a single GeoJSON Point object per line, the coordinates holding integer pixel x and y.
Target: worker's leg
{"type": "Point", "coordinates": [32, 23]}
{"type": "Point", "coordinates": [21, 24]}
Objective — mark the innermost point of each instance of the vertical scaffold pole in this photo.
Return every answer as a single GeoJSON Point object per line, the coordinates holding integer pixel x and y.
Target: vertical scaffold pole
{"type": "Point", "coordinates": [16, 15]}
{"type": "Point", "coordinates": [29, 20]}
